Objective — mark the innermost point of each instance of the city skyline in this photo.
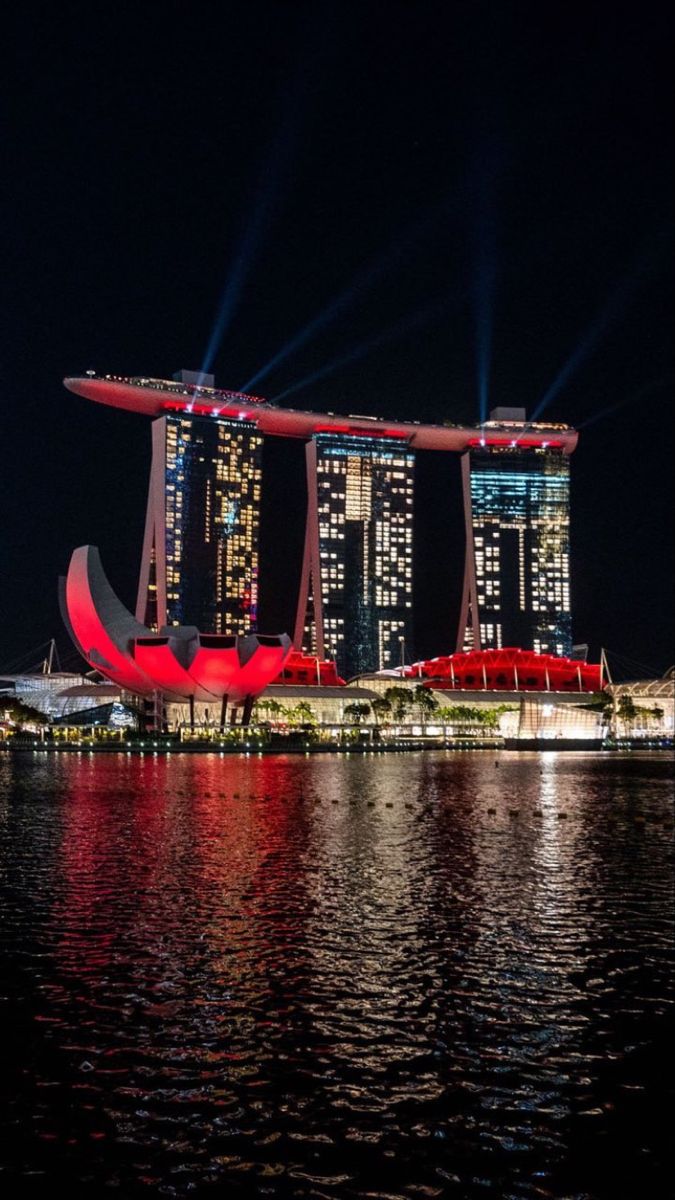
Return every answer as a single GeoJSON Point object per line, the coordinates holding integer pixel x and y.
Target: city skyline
{"type": "Point", "coordinates": [355, 594]}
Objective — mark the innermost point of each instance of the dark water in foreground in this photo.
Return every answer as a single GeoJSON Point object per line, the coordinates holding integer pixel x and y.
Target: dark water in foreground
{"type": "Point", "coordinates": [410, 976]}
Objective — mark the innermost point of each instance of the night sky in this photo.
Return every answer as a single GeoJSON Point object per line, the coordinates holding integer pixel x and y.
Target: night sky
{"type": "Point", "coordinates": [474, 197]}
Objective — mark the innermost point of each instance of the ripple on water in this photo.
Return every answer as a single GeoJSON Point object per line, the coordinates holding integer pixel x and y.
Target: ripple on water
{"type": "Point", "coordinates": [317, 977]}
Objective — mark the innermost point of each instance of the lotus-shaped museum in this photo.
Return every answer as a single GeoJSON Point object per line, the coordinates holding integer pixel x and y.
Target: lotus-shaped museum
{"type": "Point", "coordinates": [179, 662]}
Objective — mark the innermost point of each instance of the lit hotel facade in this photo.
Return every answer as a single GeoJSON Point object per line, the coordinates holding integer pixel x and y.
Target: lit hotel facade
{"type": "Point", "coordinates": [517, 573]}
{"type": "Point", "coordinates": [355, 602]}
{"type": "Point", "coordinates": [200, 552]}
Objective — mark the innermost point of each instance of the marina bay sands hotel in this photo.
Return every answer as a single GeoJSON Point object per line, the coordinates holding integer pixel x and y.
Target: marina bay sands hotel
{"type": "Point", "coordinates": [199, 563]}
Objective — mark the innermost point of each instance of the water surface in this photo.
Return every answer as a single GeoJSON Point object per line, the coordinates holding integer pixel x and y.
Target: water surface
{"type": "Point", "coordinates": [416, 975]}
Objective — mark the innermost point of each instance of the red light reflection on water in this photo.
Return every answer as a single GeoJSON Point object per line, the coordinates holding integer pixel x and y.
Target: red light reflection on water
{"type": "Point", "coordinates": [154, 847]}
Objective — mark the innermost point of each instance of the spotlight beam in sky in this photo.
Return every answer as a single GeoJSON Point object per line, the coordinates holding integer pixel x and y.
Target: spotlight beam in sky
{"type": "Point", "coordinates": [248, 248]}
{"type": "Point", "coordinates": [483, 243]}
{"type": "Point", "coordinates": [396, 252]}
{"type": "Point", "coordinates": [274, 175]}
{"type": "Point", "coordinates": [404, 325]}
{"type": "Point", "coordinates": [613, 311]}
{"type": "Point", "coordinates": [654, 385]}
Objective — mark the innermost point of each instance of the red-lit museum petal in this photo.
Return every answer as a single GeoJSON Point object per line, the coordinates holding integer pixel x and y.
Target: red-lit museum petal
{"type": "Point", "coordinates": [102, 625]}
{"type": "Point", "coordinates": [264, 664]}
{"type": "Point", "coordinates": [179, 664]}
{"type": "Point", "coordinates": [156, 658]}
{"type": "Point", "coordinates": [216, 664]}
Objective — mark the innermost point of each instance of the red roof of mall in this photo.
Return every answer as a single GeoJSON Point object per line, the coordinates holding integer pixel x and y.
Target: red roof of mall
{"type": "Point", "coordinates": [158, 397]}
{"type": "Point", "coordinates": [509, 669]}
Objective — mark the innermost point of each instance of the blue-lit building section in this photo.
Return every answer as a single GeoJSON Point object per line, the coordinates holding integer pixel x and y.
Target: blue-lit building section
{"type": "Point", "coordinates": [212, 517]}
{"type": "Point", "coordinates": [362, 566]}
{"type": "Point", "coordinates": [519, 499]}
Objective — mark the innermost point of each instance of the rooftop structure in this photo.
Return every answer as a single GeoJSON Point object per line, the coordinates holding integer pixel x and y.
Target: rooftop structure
{"type": "Point", "coordinates": [644, 708]}
{"type": "Point", "coordinates": [508, 669]}
{"type": "Point", "coordinates": [308, 670]}
{"type": "Point", "coordinates": [156, 397]}
{"type": "Point", "coordinates": [57, 693]}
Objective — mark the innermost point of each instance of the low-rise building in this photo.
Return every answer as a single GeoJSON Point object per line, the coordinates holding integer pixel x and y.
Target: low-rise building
{"type": "Point", "coordinates": [644, 709]}
{"type": "Point", "coordinates": [282, 705]}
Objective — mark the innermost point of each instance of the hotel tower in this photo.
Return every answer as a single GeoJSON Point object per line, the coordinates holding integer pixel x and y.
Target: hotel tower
{"type": "Point", "coordinates": [200, 551]}
{"type": "Point", "coordinates": [516, 505]}
{"type": "Point", "coordinates": [355, 601]}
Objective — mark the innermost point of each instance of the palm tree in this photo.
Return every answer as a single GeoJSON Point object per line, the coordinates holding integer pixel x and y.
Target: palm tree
{"type": "Point", "coordinates": [24, 714]}
{"type": "Point", "coordinates": [304, 713]}
{"type": "Point", "coordinates": [381, 708]}
{"type": "Point", "coordinates": [490, 717]}
{"type": "Point", "coordinates": [400, 699]}
{"type": "Point", "coordinates": [464, 714]}
{"type": "Point", "coordinates": [269, 706]}
{"type": "Point", "coordinates": [626, 710]}
{"type": "Point", "coordinates": [425, 701]}
{"type": "Point", "coordinates": [356, 711]}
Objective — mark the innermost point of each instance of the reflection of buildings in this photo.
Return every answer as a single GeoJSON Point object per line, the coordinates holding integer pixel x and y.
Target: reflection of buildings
{"type": "Point", "coordinates": [356, 590]}
{"type": "Point", "coordinates": [197, 865]}
{"type": "Point", "coordinates": [200, 551]}
{"type": "Point", "coordinates": [516, 498]}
